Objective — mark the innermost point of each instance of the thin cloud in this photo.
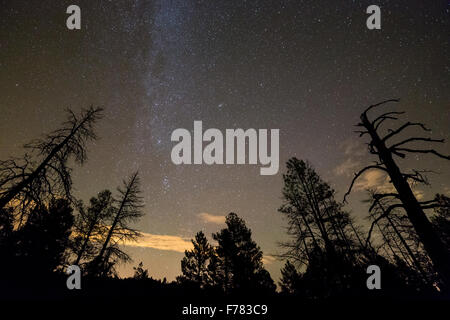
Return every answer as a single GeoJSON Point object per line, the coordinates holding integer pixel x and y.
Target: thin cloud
{"type": "Point", "coordinates": [347, 168]}
{"type": "Point", "coordinates": [374, 179]}
{"type": "Point", "coordinates": [352, 147]}
{"type": "Point", "coordinates": [354, 151]}
{"type": "Point", "coordinates": [154, 241]}
{"type": "Point", "coordinates": [419, 194]}
{"type": "Point", "coordinates": [209, 218]}
{"type": "Point", "coordinates": [267, 259]}
{"type": "Point", "coordinates": [380, 181]}
{"type": "Point", "coordinates": [161, 242]}
{"type": "Point", "coordinates": [447, 191]}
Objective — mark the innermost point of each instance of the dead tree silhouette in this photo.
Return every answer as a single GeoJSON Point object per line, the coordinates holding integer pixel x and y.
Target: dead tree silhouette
{"type": "Point", "coordinates": [435, 248]}
{"type": "Point", "coordinates": [127, 208]}
{"type": "Point", "coordinates": [29, 181]}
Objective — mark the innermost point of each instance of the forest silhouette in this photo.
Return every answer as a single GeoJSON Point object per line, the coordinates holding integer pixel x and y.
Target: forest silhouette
{"type": "Point", "coordinates": [44, 228]}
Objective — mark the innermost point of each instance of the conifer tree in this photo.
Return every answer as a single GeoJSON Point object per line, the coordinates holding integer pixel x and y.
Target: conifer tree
{"type": "Point", "coordinates": [238, 265]}
{"type": "Point", "coordinates": [195, 264]}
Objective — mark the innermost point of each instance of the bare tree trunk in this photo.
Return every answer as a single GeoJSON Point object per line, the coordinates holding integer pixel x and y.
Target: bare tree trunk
{"type": "Point", "coordinates": [432, 243]}
{"type": "Point", "coordinates": [129, 208]}
{"type": "Point", "coordinates": [85, 242]}
{"type": "Point", "coordinates": [113, 227]}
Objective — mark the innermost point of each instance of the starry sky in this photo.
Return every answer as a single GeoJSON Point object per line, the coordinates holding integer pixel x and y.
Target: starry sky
{"type": "Point", "coordinates": [306, 67]}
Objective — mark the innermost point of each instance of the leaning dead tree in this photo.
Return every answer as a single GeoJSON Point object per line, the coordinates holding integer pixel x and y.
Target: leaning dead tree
{"type": "Point", "coordinates": [43, 172]}
{"type": "Point", "coordinates": [386, 150]}
{"type": "Point", "coordinates": [127, 208]}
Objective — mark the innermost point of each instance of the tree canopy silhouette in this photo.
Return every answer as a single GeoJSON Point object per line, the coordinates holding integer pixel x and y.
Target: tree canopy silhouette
{"type": "Point", "coordinates": [319, 227]}
{"type": "Point", "coordinates": [195, 264]}
{"type": "Point", "coordinates": [41, 243]}
{"type": "Point", "coordinates": [290, 280]}
{"type": "Point", "coordinates": [237, 265]}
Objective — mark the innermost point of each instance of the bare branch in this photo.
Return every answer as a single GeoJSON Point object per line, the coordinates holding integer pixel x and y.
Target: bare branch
{"type": "Point", "coordinates": [416, 139]}
{"type": "Point", "coordinates": [382, 120]}
{"type": "Point", "coordinates": [378, 196]}
{"type": "Point", "coordinates": [431, 206]}
{"type": "Point", "coordinates": [401, 128]}
{"type": "Point", "coordinates": [385, 214]}
{"type": "Point", "coordinates": [388, 114]}
{"type": "Point", "coordinates": [417, 176]}
{"type": "Point", "coordinates": [385, 116]}
{"type": "Point", "coordinates": [399, 154]}
{"type": "Point", "coordinates": [379, 104]}
{"type": "Point", "coordinates": [357, 175]}
{"type": "Point", "coordinates": [432, 151]}
{"type": "Point", "coordinates": [361, 133]}
{"type": "Point", "coordinates": [429, 201]}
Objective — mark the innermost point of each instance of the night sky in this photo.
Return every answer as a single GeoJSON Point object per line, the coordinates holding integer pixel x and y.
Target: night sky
{"type": "Point", "coordinates": [308, 68]}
